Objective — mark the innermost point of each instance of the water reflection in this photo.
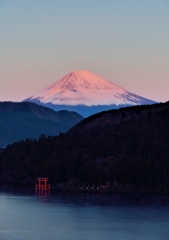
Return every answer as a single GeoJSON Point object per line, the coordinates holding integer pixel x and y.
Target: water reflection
{"type": "Point", "coordinates": [27, 215]}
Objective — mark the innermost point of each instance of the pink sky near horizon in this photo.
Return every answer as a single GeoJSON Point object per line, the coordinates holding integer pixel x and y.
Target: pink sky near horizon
{"type": "Point", "coordinates": [126, 43]}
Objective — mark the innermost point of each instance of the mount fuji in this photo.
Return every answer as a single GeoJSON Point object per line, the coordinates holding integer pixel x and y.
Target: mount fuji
{"type": "Point", "coordinates": [87, 94]}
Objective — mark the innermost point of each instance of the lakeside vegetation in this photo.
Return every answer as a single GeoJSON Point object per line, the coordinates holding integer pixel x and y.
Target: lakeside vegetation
{"type": "Point", "coordinates": [127, 148]}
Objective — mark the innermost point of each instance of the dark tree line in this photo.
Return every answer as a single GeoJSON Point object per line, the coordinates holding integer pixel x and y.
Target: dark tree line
{"type": "Point", "coordinates": [132, 152]}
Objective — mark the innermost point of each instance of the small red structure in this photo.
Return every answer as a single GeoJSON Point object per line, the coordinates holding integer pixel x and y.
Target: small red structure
{"type": "Point", "coordinates": [42, 184]}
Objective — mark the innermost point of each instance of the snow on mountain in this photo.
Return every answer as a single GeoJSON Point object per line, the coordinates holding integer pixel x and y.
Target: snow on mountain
{"type": "Point", "coordinates": [83, 88]}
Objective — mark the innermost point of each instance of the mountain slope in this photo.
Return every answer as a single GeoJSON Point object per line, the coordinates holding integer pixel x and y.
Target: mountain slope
{"type": "Point", "coordinates": [28, 120]}
{"type": "Point", "coordinates": [128, 148]}
{"type": "Point", "coordinates": [83, 91]}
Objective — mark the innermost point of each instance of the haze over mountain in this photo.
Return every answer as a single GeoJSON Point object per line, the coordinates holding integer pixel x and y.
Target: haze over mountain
{"type": "Point", "coordinates": [19, 121]}
{"type": "Point", "coordinates": [86, 93]}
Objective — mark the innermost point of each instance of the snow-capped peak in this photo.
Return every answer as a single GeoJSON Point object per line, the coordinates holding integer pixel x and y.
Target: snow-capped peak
{"type": "Point", "coordinates": [85, 88]}
{"type": "Point", "coordinates": [83, 79]}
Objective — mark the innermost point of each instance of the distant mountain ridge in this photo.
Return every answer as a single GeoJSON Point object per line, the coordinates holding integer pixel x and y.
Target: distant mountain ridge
{"type": "Point", "coordinates": [86, 93]}
{"type": "Point", "coordinates": [127, 148]}
{"type": "Point", "coordinates": [19, 121]}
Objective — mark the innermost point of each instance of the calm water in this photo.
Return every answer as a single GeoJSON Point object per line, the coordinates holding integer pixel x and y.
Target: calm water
{"type": "Point", "coordinates": [25, 216]}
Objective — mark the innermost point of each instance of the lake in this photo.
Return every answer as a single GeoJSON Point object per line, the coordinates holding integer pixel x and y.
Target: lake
{"type": "Point", "coordinates": [60, 216]}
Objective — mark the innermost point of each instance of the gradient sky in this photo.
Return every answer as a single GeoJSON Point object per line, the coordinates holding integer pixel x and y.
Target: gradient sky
{"type": "Point", "coordinates": [124, 41]}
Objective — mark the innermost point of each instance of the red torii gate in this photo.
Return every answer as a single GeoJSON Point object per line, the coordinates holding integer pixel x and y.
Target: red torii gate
{"type": "Point", "coordinates": [42, 184]}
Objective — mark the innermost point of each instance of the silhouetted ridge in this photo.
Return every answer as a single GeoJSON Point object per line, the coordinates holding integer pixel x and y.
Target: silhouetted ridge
{"type": "Point", "coordinates": [125, 150]}
{"type": "Point", "coordinates": [29, 120]}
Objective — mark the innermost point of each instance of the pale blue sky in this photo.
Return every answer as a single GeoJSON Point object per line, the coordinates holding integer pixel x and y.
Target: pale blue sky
{"type": "Point", "coordinates": [125, 41]}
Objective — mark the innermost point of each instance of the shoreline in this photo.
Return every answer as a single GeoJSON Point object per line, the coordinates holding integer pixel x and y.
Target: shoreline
{"type": "Point", "coordinates": [77, 190]}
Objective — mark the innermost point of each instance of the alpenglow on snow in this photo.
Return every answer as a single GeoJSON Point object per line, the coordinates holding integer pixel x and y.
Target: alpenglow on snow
{"type": "Point", "coordinates": [86, 93]}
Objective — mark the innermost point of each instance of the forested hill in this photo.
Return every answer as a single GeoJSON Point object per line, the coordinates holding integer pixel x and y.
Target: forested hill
{"type": "Point", "coordinates": [129, 148]}
{"type": "Point", "coordinates": [116, 116]}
